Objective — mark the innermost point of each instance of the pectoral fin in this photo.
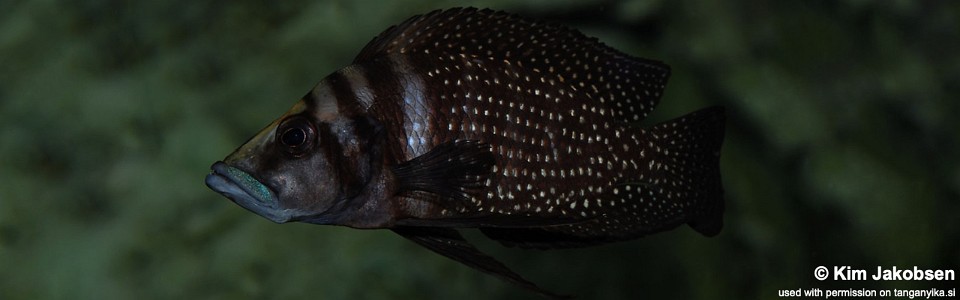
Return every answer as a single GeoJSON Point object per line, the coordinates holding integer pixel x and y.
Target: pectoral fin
{"type": "Point", "coordinates": [450, 171]}
{"type": "Point", "coordinates": [448, 242]}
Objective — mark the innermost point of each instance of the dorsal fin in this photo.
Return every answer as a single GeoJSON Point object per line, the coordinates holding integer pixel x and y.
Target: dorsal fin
{"type": "Point", "coordinates": [629, 86]}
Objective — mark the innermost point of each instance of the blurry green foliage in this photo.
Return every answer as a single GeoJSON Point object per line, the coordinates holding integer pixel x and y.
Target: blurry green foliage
{"type": "Point", "coordinates": [841, 149]}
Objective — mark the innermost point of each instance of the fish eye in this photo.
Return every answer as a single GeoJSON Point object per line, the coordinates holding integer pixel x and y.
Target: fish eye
{"type": "Point", "coordinates": [296, 135]}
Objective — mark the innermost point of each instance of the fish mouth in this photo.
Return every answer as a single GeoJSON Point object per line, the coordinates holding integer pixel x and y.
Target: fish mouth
{"type": "Point", "coordinates": [246, 191]}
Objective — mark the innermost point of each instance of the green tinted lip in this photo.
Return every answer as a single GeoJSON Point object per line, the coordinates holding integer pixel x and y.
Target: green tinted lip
{"type": "Point", "coordinates": [242, 188]}
{"type": "Point", "coordinates": [254, 187]}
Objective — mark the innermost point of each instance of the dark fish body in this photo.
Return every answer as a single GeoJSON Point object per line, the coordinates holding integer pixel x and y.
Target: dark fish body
{"type": "Point", "coordinates": [470, 118]}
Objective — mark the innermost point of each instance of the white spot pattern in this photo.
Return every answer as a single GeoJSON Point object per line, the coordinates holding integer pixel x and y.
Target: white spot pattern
{"type": "Point", "coordinates": [554, 106]}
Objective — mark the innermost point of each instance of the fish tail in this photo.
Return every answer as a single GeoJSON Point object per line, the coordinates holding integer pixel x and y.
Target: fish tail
{"type": "Point", "coordinates": [686, 161]}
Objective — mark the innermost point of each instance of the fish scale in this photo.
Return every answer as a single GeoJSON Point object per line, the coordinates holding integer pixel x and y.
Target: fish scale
{"type": "Point", "coordinates": [468, 118]}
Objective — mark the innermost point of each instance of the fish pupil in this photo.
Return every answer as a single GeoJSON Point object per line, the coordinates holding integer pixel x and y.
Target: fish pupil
{"type": "Point", "coordinates": [293, 137]}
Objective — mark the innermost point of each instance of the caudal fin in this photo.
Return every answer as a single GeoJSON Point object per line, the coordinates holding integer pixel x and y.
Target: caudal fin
{"type": "Point", "coordinates": [691, 153]}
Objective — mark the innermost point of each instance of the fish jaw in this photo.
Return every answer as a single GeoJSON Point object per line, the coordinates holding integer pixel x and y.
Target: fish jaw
{"type": "Point", "coordinates": [246, 191]}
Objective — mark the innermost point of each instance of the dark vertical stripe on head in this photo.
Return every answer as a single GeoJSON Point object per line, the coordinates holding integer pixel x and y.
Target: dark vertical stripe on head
{"type": "Point", "coordinates": [328, 142]}
{"type": "Point", "coordinates": [352, 147]}
{"type": "Point", "coordinates": [343, 93]}
{"type": "Point", "coordinates": [363, 95]}
{"type": "Point", "coordinates": [333, 149]}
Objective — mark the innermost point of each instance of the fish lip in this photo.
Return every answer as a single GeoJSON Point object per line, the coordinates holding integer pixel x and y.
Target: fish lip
{"type": "Point", "coordinates": [246, 191]}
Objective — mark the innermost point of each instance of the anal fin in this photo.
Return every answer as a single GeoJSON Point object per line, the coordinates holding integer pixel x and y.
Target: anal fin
{"type": "Point", "coordinates": [541, 239]}
{"type": "Point", "coordinates": [448, 242]}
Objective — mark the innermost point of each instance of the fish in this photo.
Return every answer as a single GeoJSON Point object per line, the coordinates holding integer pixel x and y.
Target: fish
{"type": "Point", "coordinates": [467, 118]}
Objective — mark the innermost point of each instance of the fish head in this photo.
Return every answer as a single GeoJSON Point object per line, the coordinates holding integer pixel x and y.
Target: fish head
{"type": "Point", "coordinates": [277, 173]}
{"type": "Point", "coordinates": [293, 169]}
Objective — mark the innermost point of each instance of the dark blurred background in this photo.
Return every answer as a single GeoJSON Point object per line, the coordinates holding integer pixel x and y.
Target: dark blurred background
{"type": "Point", "coordinates": [842, 149]}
